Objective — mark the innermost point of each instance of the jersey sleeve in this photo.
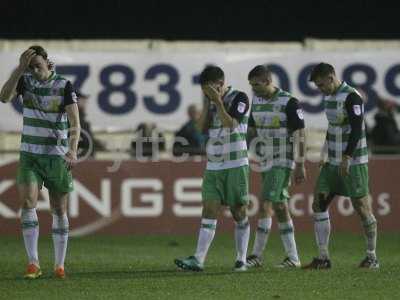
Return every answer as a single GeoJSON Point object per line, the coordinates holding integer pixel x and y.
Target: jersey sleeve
{"type": "Point", "coordinates": [355, 110]}
{"type": "Point", "coordinates": [239, 107]}
{"type": "Point", "coordinates": [252, 122]}
{"type": "Point", "coordinates": [294, 114]}
{"type": "Point", "coordinates": [69, 94]}
{"type": "Point", "coordinates": [20, 86]}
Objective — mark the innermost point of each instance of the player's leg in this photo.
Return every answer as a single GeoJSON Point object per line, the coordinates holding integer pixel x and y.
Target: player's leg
{"type": "Point", "coordinates": [237, 195]}
{"type": "Point", "coordinates": [322, 229]}
{"type": "Point", "coordinates": [357, 186]}
{"type": "Point", "coordinates": [28, 194]}
{"type": "Point", "coordinates": [323, 196]}
{"type": "Point", "coordinates": [364, 210]}
{"type": "Point", "coordinates": [242, 235]}
{"type": "Point", "coordinates": [58, 180]}
{"type": "Point", "coordinates": [264, 224]}
{"type": "Point", "coordinates": [60, 229]}
{"type": "Point", "coordinates": [208, 226]}
{"type": "Point", "coordinates": [207, 229]}
{"type": "Point", "coordinates": [211, 195]}
{"type": "Point", "coordinates": [29, 183]}
{"type": "Point", "coordinates": [276, 191]}
{"type": "Point", "coordinates": [322, 224]}
{"type": "Point", "coordinates": [286, 230]}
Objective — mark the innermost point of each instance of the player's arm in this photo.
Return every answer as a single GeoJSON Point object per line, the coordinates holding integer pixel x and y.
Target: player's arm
{"type": "Point", "coordinates": [239, 107]}
{"type": "Point", "coordinates": [251, 129]}
{"type": "Point", "coordinates": [295, 123]}
{"type": "Point", "coordinates": [9, 89]}
{"type": "Point", "coordinates": [237, 111]}
{"type": "Point", "coordinates": [324, 151]}
{"type": "Point", "coordinates": [71, 108]}
{"type": "Point", "coordinates": [355, 111]}
{"type": "Point", "coordinates": [354, 106]}
{"type": "Point", "coordinates": [227, 120]}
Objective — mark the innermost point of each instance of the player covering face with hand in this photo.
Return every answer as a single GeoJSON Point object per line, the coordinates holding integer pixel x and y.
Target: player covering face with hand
{"type": "Point", "coordinates": [225, 181]}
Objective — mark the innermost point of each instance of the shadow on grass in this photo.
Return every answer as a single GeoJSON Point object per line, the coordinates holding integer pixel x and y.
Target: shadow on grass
{"type": "Point", "coordinates": [140, 274]}
{"type": "Point", "coordinates": [134, 274]}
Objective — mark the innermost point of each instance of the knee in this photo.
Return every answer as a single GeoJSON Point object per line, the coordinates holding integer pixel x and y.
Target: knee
{"type": "Point", "coordinates": [239, 213]}
{"type": "Point", "coordinates": [362, 206]}
{"type": "Point", "coordinates": [265, 210]}
{"type": "Point", "coordinates": [209, 212]}
{"type": "Point", "coordinates": [279, 207]}
{"type": "Point", "coordinates": [315, 207]}
{"type": "Point", "coordinates": [357, 205]}
{"type": "Point", "coordinates": [28, 203]}
{"type": "Point", "coordinates": [58, 209]}
{"type": "Point", "coordinates": [320, 203]}
{"type": "Point", "coordinates": [281, 211]}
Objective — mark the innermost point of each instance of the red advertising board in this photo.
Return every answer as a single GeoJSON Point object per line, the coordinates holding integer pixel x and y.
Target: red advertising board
{"type": "Point", "coordinates": [165, 198]}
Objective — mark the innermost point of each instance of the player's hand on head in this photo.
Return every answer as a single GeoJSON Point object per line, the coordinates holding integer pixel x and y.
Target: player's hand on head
{"type": "Point", "coordinates": [25, 58]}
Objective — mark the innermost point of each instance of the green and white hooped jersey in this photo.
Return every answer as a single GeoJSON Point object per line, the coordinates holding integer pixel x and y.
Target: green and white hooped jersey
{"type": "Point", "coordinates": [45, 123]}
{"type": "Point", "coordinates": [273, 135]}
{"type": "Point", "coordinates": [226, 147]}
{"type": "Point", "coordinates": [339, 128]}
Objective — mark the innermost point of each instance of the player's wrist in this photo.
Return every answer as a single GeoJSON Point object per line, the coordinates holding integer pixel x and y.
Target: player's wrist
{"type": "Point", "coordinates": [218, 102]}
{"type": "Point", "coordinates": [21, 69]}
{"type": "Point", "coordinates": [72, 152]}
{"type": "Point", "coordinates": [346, 157]}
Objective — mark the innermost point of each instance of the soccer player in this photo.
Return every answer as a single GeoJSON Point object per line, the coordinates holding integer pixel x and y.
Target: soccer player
{"type": "Point", "coordinates": [279, 122]}
{"type": "Point", "coordinates": [225, 181]}
{"type": "Point", "coordinates": [346, 170]}
{"type": "Point", "coordinates": [46, 154]}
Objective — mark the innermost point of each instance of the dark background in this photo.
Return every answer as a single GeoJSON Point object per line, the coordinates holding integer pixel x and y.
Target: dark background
{"type": "Point", "coordinates": [200, 20]}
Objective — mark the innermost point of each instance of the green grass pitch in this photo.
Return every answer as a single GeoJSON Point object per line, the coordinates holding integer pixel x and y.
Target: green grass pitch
{"type": "Point", "coordinates": [141, 267]}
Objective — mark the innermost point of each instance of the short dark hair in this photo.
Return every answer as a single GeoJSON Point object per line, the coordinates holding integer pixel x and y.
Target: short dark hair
{"type": "Point", "coordinates": [211, 74]}
{"type": "Point", "coordinates": [39, 50]}
{"type": "Point", "coordinates": [260, 71]}
{"type": "Point", "coordinates": [321, 70]}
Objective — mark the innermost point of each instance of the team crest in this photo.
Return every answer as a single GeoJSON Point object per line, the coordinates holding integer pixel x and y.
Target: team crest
{"type": "Point", "coordinates": [241, 107]}
{"type": "Point", "coordinates": [74, 97]}
{"type": "Point", "coordinates": [357, 110]}
{"type": "Point", "coordinates": [300, 114]}
{"type": "Point", "coordinates": [275, 122]}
